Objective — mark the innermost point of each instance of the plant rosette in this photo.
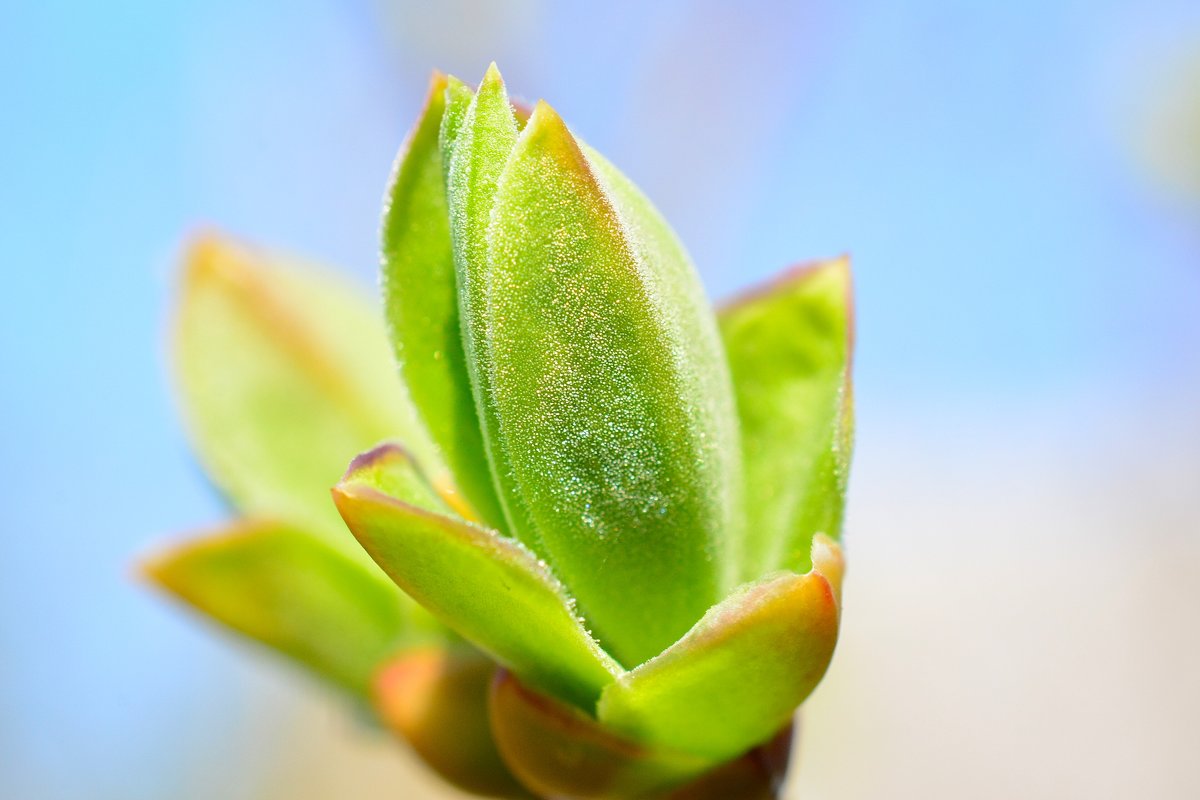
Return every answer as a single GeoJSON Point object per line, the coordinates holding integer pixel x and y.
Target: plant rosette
{"type": "Point", "coordinates": [589, 546]}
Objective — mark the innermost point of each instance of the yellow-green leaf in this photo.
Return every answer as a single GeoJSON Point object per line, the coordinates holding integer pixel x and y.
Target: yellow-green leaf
{"type": "Point", "coordinates": [285, 373]}
{"type": "Point", "coordinates": [485, 586]}
{"type": "Point", "coordinates": [789, 348]}
{"type": "Point", "coordinates": [290, 591]}
{"type": "Point", "coordinates": [736, 678]}
{"type": "Point", "coordinates": [475, 151]}
{"type": "Point", "coordinates": [421, 303]}
{"type": "Point", "coordinates": [618, 458]}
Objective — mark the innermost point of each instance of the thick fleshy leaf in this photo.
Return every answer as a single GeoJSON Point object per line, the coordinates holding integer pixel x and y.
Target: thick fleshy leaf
{"type": "Point", "coordinates": [436, 699]}
{"type": "Point", "coordinates": [421, 303]}
{"type": "Point", "coordinates": [558, 751]}
{"type": "Point", "coordinates": [737, 677]}
{"type": "Point", "coordinates": [295, 594]}
{"type": "Point", "coordinates": [475, 154]}
{"type": "Point", "coordinates": [758, 775]}
{"type": "Point", "coordinates": [789, 348]}
{"type": "Point", "coordinates": [603, 396]}
{"type": "Point", "coordinates": [285, 374]}
{"type": "Point", "coordinates": [689, 314]}
{"type": "Point", "coordinates": [457, 102]}
{"type": "Point", "coordinates": [487, 587]}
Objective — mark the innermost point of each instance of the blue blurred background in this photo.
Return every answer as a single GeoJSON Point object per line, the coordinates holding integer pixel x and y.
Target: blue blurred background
{"type": "Point", "coordinates": [1018, 184]}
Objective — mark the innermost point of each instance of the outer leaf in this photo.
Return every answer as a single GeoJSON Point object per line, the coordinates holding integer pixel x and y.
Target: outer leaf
{"type": "Point", "coordinates": [485, 586]}
{"type": "Point", "coordinates": [284, 375]}
{"type": "Point", "coordinates": [737, 677]}
{"type": "Point", "coordinates": [611, 442]}
{"type": "Point", "coordinates": [436, 700]}
{"type": "Point", "coordinates": [758, 775]}
{"type": "Point", "coordinates": [558, 751]}
{"type": "Point", "coordinates": [295, 594]}
{"type": "Point", "coordinates": [789, 349]}
{"type": "Point", "coordinates": [422, 306]}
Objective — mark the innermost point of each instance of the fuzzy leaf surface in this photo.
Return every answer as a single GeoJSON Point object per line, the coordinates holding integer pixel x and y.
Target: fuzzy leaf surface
{"type": "Point", "coordinates": [421, 304]}
{"type": "Point", "coordinates": [487, 587]}
{"type": "Point", "coordinates": [475, 151]}
{"type": "Point", "coordinates": [609, 436]}
{"type": "Point", "coordinates": [702, 368]}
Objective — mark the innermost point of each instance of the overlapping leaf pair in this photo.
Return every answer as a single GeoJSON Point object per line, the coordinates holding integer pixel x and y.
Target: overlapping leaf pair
{"type": "Point", "coordinates": [629, 506]}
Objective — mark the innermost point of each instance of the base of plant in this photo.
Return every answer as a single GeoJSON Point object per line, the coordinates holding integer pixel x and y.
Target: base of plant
{"type": "Point", "coordinates": [561, 753]}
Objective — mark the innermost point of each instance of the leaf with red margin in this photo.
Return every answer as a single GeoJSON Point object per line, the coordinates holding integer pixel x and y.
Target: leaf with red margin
{"type": "Point", "coordinates": [487, 587]}
{"type": "Point", "coordinates": [739, 674]}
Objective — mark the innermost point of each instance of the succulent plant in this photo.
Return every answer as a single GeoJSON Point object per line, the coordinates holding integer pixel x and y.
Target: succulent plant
{"type": "Point", "coordinates": [595, 525]}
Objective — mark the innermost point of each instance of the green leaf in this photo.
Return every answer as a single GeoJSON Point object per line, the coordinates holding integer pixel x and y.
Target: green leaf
{"type": "Point", "coordinates": [736, 678]}
{"type": "Point", "coordinates": [288, 590]}
{"type": "Point", "coordinates": [421, 304]}
{"type": "Point", "coordinates": [484, 585]}
{"type": "Point", "coordinates": [610, 434]}
{"type": "Point", "coordinates": [789, 348]}
{"type": "Point", "coordinates": [476, 153]}
{"type": "Point", "coordinates": [456, 99]}
{"type": "Point", "coordinates": [689, 313]}
{"type": "Point", "coordinates": [285, 374]}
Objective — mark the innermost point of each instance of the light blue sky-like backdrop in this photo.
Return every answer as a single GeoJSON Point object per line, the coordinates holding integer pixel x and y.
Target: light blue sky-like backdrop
{"type": "Point", "coordinates": [1017, 261]}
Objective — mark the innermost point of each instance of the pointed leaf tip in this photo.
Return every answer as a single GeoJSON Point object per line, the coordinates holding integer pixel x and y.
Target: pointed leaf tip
{"type": "Point", "coordinates": [491, 77]}
{"type": "Point", "coordinates": [547, 131]}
